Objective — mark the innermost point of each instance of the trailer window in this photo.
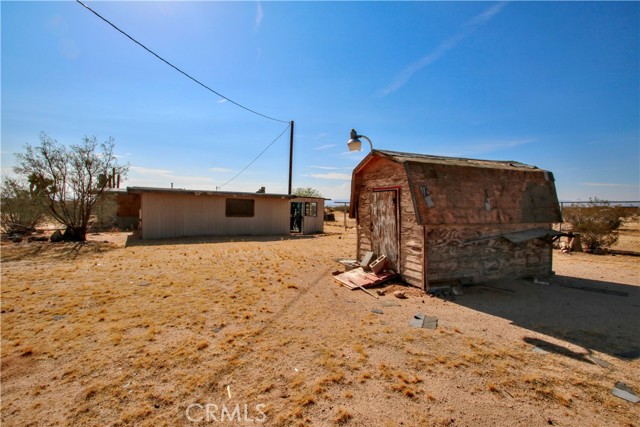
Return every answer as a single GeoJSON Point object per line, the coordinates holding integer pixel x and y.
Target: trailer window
{"type": "Point", "coordinates": [311, 209]}
{"type": "Point", "coordinates": [240, 207]}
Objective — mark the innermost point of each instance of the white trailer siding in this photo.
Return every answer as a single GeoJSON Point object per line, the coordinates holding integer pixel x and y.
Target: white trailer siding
{"type": "Point", "coordinates": [175, 214]}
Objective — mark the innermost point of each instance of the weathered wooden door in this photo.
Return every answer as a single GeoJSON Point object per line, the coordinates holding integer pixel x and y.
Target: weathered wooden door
{"type": "Point", "coordinates": [384, 223]}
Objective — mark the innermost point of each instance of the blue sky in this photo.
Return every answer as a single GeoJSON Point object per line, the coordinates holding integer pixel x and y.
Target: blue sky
{"type": "Point", "coordinates": [546, 83]}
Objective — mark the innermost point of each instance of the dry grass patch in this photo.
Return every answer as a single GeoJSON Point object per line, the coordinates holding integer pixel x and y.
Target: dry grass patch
{"type": "Point", "coordinates": [342, 416]}
{"type": "Point", "coordinates": [132, 336]}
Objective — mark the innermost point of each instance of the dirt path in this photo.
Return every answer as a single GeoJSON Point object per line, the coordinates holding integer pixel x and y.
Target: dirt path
{"type": "Point", "coordinates": [105, 334]}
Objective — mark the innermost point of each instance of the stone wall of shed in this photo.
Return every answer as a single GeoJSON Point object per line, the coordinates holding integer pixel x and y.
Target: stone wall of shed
{"type": "Point", "coordinates": [451, 257]}
{"type": "Point", "coordinates": [105, 212]}
{"type": "Point", "coordinates": [382, 173]}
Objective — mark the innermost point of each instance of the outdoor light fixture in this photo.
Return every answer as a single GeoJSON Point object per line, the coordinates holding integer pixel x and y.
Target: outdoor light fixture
{"type": "Point", "coordinates": [355, 144]}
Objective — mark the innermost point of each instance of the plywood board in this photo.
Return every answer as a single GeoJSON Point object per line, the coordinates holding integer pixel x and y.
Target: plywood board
{"type": "Point", "coordinates": [358, 277]}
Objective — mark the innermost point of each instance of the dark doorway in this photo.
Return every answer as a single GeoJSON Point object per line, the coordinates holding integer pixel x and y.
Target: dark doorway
{"type": "Point", "coordinates": [297, 216]}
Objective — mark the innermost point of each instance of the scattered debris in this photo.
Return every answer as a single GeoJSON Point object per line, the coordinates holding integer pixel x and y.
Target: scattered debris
{"type": "Point", "coordinates": [229, 390]}
{"type": "Point", "coordinates": [540, 282]}
{"type": "Point", "coordinates": [400, 294]}
{"type": "Point", "coordinates": [358, 277]}
{"type": "Point", "coordinates": [598, 361]}
{"type": "Point", "coordinates": [364, 290]}
{"type": "Point", "coordinates": [58, 317]}
{"type": "Point", "coordinates": [366, 260]}
{"type": "Point", "coordinates": [143, 284]}
{"type": "Point", "coordinates": [381, 292]}
{"type": "Point", "coordinates": [389, 303]}
{"type": "Point", "coordinates": [540, 351]}
{"type": "Point", "coordinates": [623, 391]}
{"type": "Point", "coordinates": [351, 301]}
{"type": "Point", "coordinates": [457, 291]}
{"type": "Point", "coordinates": [443, 292]}
{"type": "Point", "coordinates": [377, 311]}
{"type": "Point", "coordinates": [422, 321]}
{"type": "Point", "coordinates": [349, 264]}
{"type": "Point", "coordinates": [379, 264]}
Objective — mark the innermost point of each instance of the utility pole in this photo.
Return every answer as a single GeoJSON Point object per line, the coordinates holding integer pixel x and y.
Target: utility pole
{"type": "Point", "coordinates": [290, 157]}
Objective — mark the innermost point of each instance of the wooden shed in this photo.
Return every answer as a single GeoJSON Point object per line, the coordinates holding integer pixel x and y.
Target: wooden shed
{"type": "Point", "coordinates": [169, 213]}
{"type": "Point", "coordinates": [442, 218]}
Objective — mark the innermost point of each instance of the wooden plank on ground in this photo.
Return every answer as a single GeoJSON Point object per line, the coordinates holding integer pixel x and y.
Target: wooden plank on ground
{"type": "Point", "coordinates": [352, 279]}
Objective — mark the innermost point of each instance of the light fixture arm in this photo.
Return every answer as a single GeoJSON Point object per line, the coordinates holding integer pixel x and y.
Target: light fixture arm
{"type": "Point", "coordinates": [368, 140]}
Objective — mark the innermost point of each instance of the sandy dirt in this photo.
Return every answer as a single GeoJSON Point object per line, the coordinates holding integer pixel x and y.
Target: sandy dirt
{"type": "Point", "coordinates": [120, 332]}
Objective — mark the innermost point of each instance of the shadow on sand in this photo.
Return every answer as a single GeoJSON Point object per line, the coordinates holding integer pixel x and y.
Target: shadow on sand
{"type": "Point", "coordinates": [135, 240]}
{"type": "Point", "coordinates": [595, 315]}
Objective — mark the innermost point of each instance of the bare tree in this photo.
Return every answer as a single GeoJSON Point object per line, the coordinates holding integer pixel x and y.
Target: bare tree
{"type": "Point", "coordinates": [69, 180]}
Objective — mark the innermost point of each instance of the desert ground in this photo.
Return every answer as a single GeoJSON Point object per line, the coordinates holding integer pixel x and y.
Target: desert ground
{"type": "Point", "coordinates": [255, 331]}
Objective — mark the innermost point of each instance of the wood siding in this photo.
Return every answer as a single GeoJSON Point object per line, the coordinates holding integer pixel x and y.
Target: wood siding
{"type": "Point", "coordinates": [459, 195]}
{"type": "Point", "coordinates": [181, 215]}
{"type": "Point", "coordinates": [450, 258]}
{"type": "Point", "coordinates": [384, 229]}
{"type": "Point", "coordinates": [382, 173]}
{"type": "Point", "coordinates": [468, 203]}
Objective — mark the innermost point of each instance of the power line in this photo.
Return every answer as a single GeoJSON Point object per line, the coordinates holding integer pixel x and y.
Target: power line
{"type": "Point", "coordinates": [176, 68]}
{"type": "Point", "coordinates": [257, 157]}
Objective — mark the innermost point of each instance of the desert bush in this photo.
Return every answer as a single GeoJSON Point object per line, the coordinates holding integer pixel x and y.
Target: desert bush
{"type": "Point", "coordinates": [597, 221]}
{"type": "Point", "coordinates": [20, 213]}
{"type": "Point", "coordinates": [69, 180]}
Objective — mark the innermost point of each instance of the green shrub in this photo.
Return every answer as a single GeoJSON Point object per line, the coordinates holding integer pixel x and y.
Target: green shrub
{"type": "Point", "coordinates": [597, 222]}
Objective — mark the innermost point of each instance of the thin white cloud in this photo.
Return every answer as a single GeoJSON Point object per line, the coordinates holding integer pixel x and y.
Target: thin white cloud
{"type": "Point", "coordinates": [322, 135]}
{"type": "Point", "coordinates": [482, 147]}
{"type": "Point", "coordinates": [331, 175]}
{"type": "Point", "coordinates": [352, 153]}
{"type": "Point", "coordinates": [467, 29]}
{"type": "Point", "coordinates": [150, 171]}
{"type": "Point", "coordinates": [607, 184]}
{"type": "Point", "coordinates": [324, 147]}
{"type": "Point", "coordinates": [328, 168]}
{"type": "Point", "coordinates": [69, 49]}
{"type": "Point", "coordinates": [485, 16]}
{"type": "Point", "coordinates": [222, 101]}
{"type": "Point", "coordinates": [259, 16]}
{"type": "Point", "coordinates": [485, 147]}
{"type": "Point", "coordinates": [164, 178]}
{"type": "Point", "coordinates": [220, 170]}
